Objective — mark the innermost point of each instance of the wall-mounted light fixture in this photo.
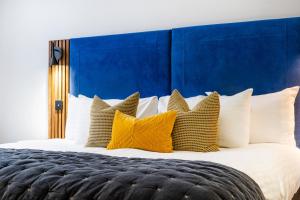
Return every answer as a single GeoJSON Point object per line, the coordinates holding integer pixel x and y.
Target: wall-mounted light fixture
{"type": "Point", "coordinates": [56, 54]}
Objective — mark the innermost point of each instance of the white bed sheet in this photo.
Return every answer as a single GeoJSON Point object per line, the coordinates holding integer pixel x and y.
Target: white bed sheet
{"type": "Point", "coordinates": [274, 167]}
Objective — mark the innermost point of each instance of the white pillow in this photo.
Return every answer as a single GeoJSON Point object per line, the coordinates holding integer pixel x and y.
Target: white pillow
{"type": "Point", "coordinates": [71, 118]}
{"type": "Point", "coordinates": [78, 118]}
{"type": "Point", "coordinates": [191, 101]}
{"type": "Point", "coordinates": [147, 106]}
{"type": "Point", "coordinates": [273, 118]}
{"type": "Point", "coordinates": [234, 120]}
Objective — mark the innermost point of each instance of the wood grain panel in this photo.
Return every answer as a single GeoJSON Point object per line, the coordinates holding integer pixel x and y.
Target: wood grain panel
{"type": "Point", "coordinates": [58, 89]}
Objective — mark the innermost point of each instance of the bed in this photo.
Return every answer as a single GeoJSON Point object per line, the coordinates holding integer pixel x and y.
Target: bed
{"type": "Point", "coordinates": [274, 167]}
{"type": "Point", "coordinates": [228, 58]}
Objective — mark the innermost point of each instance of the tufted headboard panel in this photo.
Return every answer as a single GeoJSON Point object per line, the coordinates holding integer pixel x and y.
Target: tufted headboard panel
{"type": "Point", "coordinates": [229, 58]}
{"type": "Point", "coordinates": [264, 55]}
{"type": "Point", "coordinates": [116, 66]}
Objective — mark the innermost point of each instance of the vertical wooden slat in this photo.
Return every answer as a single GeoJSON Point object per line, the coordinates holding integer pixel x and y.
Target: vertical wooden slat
{"type": "Point", "coordinates": [63, 92]}
{"type": "Point", "coordinates": [58, 89]}
{"type": "Point", "coordinates": [67, 82]}
{"type": "Point", "coordinates": [55, 97]}
{"type": "Point", "coordinates": [49, 97]}
{"type": "Point", "coordinates": [52, 107]}
{"type": "Point", "coordinates": [53, 88]}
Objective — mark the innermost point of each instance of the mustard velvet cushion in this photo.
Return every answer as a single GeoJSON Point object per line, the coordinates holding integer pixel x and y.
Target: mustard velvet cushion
{"type": "Point", "coordinates": [152, 133]}
{"type": "Point", "coordinates": [196, 129]}
{"type": "Point", "coordinates": [102, 116]}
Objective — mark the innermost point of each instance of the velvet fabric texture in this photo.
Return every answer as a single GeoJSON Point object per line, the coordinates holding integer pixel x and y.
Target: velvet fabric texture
{"type": "Point", "coordinates": [34, 175]}
{"type": "Point", "coordinates": [229, 58]}
{"type": "Point", "coordinates": [151, 133]}
{"type": "Point", "coordinates": [115, 66]}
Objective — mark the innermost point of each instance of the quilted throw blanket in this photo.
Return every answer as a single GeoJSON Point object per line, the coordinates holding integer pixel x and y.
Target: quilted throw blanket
{"type": "Point", "coordinates": [36, 174]}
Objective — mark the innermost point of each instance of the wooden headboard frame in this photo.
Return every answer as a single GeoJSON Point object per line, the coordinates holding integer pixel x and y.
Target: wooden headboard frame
{"type": "Point", "coordinates": [58, 89]}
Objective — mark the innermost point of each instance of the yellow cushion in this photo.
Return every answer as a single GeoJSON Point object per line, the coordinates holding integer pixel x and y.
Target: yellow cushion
{"type": "Point", "coordinates": [152, 133]}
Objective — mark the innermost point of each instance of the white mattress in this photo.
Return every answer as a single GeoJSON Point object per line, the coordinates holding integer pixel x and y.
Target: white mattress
{"type": "Point", "coordinates": [274, 167]}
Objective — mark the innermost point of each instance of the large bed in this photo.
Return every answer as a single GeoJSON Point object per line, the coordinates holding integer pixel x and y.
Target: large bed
{"type": "Point", "coordinates": [228, 58]}
{"type": "Point", "coordinates": [274, 167]}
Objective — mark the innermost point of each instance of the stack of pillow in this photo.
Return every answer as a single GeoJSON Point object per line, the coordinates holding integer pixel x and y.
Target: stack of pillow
{"type": "Point", "coordinates": [200, 123]}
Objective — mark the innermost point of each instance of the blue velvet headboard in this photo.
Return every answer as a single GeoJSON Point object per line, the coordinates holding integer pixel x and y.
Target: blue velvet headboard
{"type": "Point", "coordinates": [116, 66]}
{"type": "Point", "coordinates": [264, 55]}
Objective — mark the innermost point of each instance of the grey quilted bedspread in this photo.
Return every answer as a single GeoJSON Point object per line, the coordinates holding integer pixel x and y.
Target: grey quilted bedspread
{"type": "Point", "coordinates": [36, 175]}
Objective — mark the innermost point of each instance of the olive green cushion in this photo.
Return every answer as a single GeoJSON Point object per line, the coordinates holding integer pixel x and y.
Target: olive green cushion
{"type": "Point", "coordinates": [102, 116]}
{"type": "Point", "coordinates": [196, 129]}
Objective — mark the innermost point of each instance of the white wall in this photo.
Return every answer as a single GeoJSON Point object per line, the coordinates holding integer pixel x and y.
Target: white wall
{"type": "Point", "coordinates": [26, 26]}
